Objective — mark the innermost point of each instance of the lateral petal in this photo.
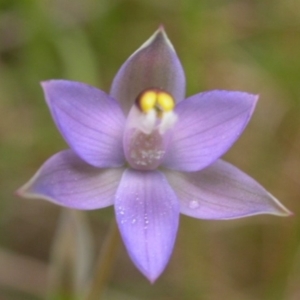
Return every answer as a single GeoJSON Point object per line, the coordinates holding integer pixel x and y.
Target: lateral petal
{"type": "Point", "coordinates": [208, 124]}
{"type": "Point", "coordinates": [90, 121]}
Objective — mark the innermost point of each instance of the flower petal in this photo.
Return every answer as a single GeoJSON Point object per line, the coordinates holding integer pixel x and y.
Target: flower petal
{"type": "Point", "coordinates": [222, 191]}
{"type": "Point", "coordinates": [67, 180]}
{"type": "Point", "coordinates": [147, 212]}
{"type": "Point", "coordinates": [208, 124]}
{"type": "Point", "coordinates": [154, 65]}
{"type": "Point", "coordinates": [89, 120]}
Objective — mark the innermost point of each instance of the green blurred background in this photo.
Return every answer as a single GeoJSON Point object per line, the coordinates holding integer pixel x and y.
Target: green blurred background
{"type": "Point", "coordinates": [243, 45]}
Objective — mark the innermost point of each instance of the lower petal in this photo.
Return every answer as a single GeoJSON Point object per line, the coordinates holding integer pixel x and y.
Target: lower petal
{"type": "Point", "coordinates": [67, 180]}
{"type": "Point", "coordinates": [222, 191]}
{"type": "Point", "coordinates": [147, 212]}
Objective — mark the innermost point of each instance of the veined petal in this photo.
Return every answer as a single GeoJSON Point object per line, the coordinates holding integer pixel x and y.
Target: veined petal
{"type": "Point", "coordinates": [68, 181]}
{"type": "Point", "coordinates": [89, 120]}
{"type": "Point", "coordinates": [154, 65]}
{"type": "Point", "coordinates": [208, 124]}
{"type": "Point", "coordinates": [221, 191]}
{"type": "Point", "coordinates": [147, 212]}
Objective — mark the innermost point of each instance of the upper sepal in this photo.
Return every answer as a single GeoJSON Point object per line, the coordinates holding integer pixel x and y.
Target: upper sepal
{"type": "Point", "coordinates": [154, 65]}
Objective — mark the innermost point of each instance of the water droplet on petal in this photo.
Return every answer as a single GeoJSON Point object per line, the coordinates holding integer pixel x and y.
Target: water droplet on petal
{"type": "Point", "coordinates": [193, 204]}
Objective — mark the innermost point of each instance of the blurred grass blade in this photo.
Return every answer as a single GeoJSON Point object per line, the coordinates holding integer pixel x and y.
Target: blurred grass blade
{"type": "Point", "coordinates": [72, 256]}
{"type": "Point", "coordinates": [104, 265]}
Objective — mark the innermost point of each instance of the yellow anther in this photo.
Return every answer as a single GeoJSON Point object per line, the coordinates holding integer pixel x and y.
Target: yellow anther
{"type": "Point", "coordinates": [153, 110]}
{"type": "Point", "coordinates": [165, 101]}
{"type": "Point", "coordinates": [148, 100]}
{"type": "Point", "coordinates": [156, 99]}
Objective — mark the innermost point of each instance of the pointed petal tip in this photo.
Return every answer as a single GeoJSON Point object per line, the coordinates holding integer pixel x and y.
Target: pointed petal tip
{"type": "Point", "coordinates": [289, 214]}
{"type": "Point", "coordinates": [151, 277]}
{"type": "Point", "coordinates": [18, 193]}
{"type": "Point", "coordinates": [256, 97]}
{"type": "Point", "coordinates": [255, 100]}
{"type": "Point", "coordinates": [159, 33]}
{"type": "Point", "coordinates": [284, 212]}
{"type": "Point", "coordinates": [46, 83]}
{"type": "Point", "coordinates": [161, 28]}
{"type": "Point", "coordinates": [24, 191]}
{"type": "Point", "coordinates": [21, 191]}
{"type": "Point", "coordinates": [162, 32]}
{"type": "Point", "coordinates": [46, 87]}
{"type": "Point", "coordinates": [281, 210]}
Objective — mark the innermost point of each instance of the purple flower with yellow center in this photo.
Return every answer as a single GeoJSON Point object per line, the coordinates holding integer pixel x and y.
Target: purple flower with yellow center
{"type": "Point", "coordinates": [150, 153]}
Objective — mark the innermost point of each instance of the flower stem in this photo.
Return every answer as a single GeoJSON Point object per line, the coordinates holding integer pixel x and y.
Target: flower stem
{"type": "Point", "coordinates": [104, 264]}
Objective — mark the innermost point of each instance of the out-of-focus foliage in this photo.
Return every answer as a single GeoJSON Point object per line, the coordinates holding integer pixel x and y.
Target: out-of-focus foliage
{"type": "Point", "coordinates": [244, 45]}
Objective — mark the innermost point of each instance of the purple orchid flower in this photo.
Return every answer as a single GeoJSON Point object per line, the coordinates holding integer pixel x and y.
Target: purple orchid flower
{"type": "Point", "coordinates": [150, 153]}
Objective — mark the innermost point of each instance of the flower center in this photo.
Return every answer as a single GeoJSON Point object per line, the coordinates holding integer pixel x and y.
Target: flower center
{"type": "Point", "coordinates": [147, 132]}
